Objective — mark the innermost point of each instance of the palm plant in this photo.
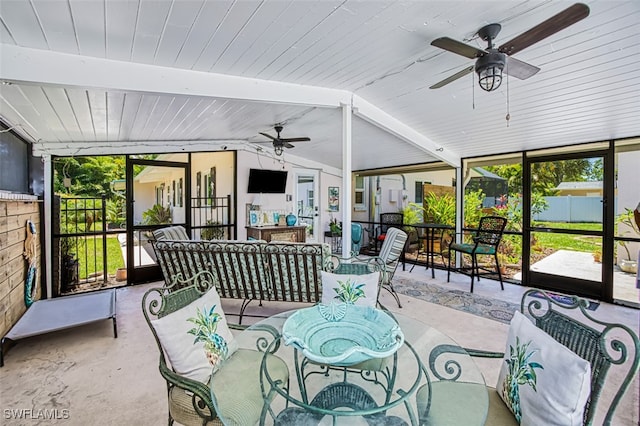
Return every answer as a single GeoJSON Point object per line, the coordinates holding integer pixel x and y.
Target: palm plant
{"type": "Point", "coordinates": [521, 372]}
{"type": "Point", "coordinates": [349, 292]}
{"type": "Point", "coordinates": [206, 322]}
{"type": "Point", "coordinates": [157, 215]}
{"type": "Point", "coordinates": [627, 218]}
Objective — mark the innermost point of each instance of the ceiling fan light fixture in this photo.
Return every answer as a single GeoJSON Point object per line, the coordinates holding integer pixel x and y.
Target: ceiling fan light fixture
{"type": "Point", "coordinates": [278, 150]}
{"type": "Point", "coordinates": [489, 68]}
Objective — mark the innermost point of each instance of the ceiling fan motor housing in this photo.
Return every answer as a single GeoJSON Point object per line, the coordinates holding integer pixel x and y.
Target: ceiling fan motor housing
{"type": "Point", "coordinates": [489, 68]}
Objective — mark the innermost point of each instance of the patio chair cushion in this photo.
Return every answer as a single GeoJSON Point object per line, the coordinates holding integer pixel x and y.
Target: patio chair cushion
{"type": "Point", "coordinates": [241, 400]}
{"type": "Point", "coordinates": [192, 356]}
{"type": "Point", "coordinates": [181, 409]}
{"type": "Point", "coordinates": [542, 381]}
{"type": "Point", "coordinates": [469, 248]}
{"type": "Point", "coordinates": [357, 289]}
{"type": "Point", "coordinates": [176, 232]}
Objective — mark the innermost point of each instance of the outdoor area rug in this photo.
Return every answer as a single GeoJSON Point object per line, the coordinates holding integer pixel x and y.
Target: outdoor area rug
{"type": "Point", "coordinates": [485, 307]}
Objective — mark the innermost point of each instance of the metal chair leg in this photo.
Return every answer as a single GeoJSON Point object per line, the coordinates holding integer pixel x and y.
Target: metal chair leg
{"type": "Point", "coordinates": [499, 272]}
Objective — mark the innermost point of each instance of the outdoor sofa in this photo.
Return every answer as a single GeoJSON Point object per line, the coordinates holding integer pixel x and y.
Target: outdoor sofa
{"type": "Point", "coordinates": [251, 270]}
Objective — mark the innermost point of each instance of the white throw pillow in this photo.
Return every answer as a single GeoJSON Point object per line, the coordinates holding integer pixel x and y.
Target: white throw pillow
{"type": "Point", "coordinates": [554, 383]}
{"type": "Point", "coordinates": [355, 289]}
{"type": "Point", "coordinates": [191, 356]}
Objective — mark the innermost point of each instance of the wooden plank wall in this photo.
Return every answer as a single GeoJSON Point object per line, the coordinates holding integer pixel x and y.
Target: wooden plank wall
{"type": "Point", "coordinates": [13, 266]}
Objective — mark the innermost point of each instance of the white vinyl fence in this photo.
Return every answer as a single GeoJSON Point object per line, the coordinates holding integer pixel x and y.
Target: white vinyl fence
{"type": "Point", "coordinates": [572, 209]}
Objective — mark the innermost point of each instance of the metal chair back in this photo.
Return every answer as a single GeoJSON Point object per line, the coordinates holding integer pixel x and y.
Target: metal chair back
{"type": "Point", "coordinates": [387, 220]}
{"type": "Point", "coordinates": [604, 344]}
{"type": "Point", "coordinates": [490, 230]}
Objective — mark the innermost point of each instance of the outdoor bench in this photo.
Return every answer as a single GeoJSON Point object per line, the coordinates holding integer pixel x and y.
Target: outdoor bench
{"type": "Point", "coordinates": [251, 270]}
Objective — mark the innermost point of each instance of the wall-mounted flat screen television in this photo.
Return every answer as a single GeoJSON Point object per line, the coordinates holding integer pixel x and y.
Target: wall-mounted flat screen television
{"type": "Point", "coordinates": [263, 181]}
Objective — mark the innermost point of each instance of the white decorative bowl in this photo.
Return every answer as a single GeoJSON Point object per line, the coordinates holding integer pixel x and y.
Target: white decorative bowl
{"type": "Point", "coordinates": [341, 334]}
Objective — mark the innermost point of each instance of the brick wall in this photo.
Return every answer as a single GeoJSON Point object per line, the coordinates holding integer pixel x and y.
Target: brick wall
{"type": "Point", "coordinates": [13, 266]}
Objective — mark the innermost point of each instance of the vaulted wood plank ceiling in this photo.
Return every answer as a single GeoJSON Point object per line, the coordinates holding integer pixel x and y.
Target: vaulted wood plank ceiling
{"type": "Point", "coordinates": [91, 77]}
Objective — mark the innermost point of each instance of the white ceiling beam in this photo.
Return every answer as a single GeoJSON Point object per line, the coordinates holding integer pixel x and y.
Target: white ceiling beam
{"type": "Point", "coordinates": [43, 67]}
{"type": "Point", "coordinates": [374, 115]}
{"type": "Point", "coordinates": [66, 149]}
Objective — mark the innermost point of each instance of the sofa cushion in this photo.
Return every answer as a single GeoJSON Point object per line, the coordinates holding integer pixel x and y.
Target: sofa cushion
{"type": "Point", "coordinates": [176, 232]}
{"type": "Point", "coordinates": [196, 338]}
{"type": "Point", "coordinates": [356, 289]}
{"type": "Point", "coordinates": [542, 381]}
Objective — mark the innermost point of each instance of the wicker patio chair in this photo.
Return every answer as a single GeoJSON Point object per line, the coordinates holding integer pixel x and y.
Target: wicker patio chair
{"type": "Point", "coordinates": [190, 401]}
{"type": "Point", "coordinates": [485, 242]}
{"type": "Point", "coordinates": [608, 347]}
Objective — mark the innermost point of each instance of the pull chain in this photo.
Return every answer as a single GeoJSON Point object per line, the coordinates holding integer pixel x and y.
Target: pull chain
{"type": "Point", "coordinates": [508, 116]}
{"type": "Point", "coordinates": [473, 92]}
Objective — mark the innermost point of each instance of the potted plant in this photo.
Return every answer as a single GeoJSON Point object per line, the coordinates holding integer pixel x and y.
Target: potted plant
{"type": "Point", "coordinates": [157, 215]}
{"type": "Point", "coordinates": [213, 233]}
{"type": "Point", "coordinates": [412, 214]}
{"type": "Point", "coordinates": [69, 265]}
{"type": "Point", "coordinates": [114, 211]}
{"type": "Point", "coordinates": [334, 227]}
{"type": "Point", "coordinates": [629, 263]}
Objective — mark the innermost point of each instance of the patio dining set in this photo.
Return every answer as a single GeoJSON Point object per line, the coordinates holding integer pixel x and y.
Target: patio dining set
{"type": "Point", "coordinates": [345, 356]}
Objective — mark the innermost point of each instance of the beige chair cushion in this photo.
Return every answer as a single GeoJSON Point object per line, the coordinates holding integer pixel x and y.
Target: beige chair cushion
{"type": "Point", "coordinates": [459, 403]}
{"type": "Point", "coordinates": [499, 413]}
{"type": "Point", "coordinates": [181, 409]}
{"type": "Point", "coordinates": [238, 396]}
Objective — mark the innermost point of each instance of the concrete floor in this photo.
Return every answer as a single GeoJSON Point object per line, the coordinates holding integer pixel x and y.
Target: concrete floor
{"type": "Point", "coordinates": [84, 376]}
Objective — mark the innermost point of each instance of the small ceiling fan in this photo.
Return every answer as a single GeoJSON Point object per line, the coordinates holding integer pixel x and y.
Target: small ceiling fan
{"type": "Point", "coordinates": [280, 143]}
{"type": "Point", "coordinates": [492, 61]}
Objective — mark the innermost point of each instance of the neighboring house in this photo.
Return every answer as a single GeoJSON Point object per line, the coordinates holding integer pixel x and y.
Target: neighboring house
{"type": "Point", "coordinates": [581, 189]}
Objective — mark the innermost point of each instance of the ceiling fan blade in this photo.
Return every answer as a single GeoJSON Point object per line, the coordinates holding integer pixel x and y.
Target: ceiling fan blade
{"type": "Point", "coordinates": [549, 27]}
{"type": "Point", "coordinates": [519, 69]}
{"type": "Point", "coordinates": [295, 139]}
{"type": "Point", "coordinates": [269, 136]}
{"type": "Point", "coordinates": [287, 145]}
{"type": "Point", "coordinates": [452, 78]}
{"type": "Point", "coordinates": [458, 47]}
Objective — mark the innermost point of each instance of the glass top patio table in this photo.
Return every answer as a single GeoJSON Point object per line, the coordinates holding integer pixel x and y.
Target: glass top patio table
{"type": "Point", "coordinates": [376, 391]}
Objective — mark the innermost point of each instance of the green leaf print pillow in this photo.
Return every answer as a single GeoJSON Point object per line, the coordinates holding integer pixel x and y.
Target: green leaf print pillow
{"type": "Point", "coordinates": [353, 289]}
{"type": "Point", "coordinates": [196, 338]}
{"type": "Point", "coordinates": [542, 381]}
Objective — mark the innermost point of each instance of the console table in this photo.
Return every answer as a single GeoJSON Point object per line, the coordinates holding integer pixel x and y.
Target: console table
{"type": "Point", "coordinates": [296, 234]}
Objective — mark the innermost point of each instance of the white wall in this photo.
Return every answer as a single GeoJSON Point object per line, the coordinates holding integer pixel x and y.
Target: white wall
{"type": "Point", "coordinates": [248, 160]}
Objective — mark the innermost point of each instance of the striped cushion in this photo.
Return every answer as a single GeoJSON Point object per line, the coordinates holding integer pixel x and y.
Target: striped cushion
{"type": "Point", "coordinates": [391, 250]}
{"type": "Point", "coordinates": [171, 233]}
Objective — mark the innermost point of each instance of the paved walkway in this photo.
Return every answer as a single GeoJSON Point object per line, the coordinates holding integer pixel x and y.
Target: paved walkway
{"type": "Point", "coordinates": [582, 266]}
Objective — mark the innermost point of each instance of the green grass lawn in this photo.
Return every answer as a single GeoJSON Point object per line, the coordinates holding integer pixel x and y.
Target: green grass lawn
{"type": "Point", "coordinates": [583, 243]}
{"type": "Point", "coordinates": [91, 256]}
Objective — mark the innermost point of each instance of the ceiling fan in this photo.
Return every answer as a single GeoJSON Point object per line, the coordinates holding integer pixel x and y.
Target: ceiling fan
{"type": "Point", "coordinates": [280, 143]}
{"type": "Point", "coordinates": [492, 61]}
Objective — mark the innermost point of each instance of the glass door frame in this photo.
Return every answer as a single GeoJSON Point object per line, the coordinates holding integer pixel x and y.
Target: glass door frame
{"type": "Point", "coordinates": [147, 273]}
{"type": "Point", "coordinates": [603, 290]}
{"type": "Point", "coordinates": [315, 218]}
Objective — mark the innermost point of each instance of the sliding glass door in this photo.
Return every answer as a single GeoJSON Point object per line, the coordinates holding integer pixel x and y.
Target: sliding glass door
{"type": "Point", "coordinates": [568, 222]}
